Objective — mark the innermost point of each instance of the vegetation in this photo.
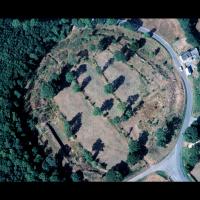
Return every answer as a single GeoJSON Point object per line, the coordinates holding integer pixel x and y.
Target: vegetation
{"type": "Point", "coordinates": [99, 70]}
{"type": "Point", "coordinates": [67, 129]}
{"type": "Point", "coordinates": [113, 176]}
{"type": "Point", "coordinates": [69, 77]}
{"type": "Point", "coordinates": [192, 134]}
{"type": "Point", "coordinates": [108, 88]}
{"type": "Point", "coordinates": [23, 45]}
{"type": "Point", "coordinates": [87, 156]}
{"type": "Point", "coordinates": [75, 86]}
{"type": "Point", "coordinates": [135, 152]}
{"type": "Point", "coordinates": [97, 111]}
{"type": "Point", "coordinates": [47, 91]}
{"type": "Point", "coordinates": [116, 120]}
{"type": "Point", "coordinates": [122, 106]}
{"type": "Point", "coordinates": [164, 135]}
{"type": "Point", "coordinates": [76, 177]}
{"type": "Point", "coordinates": [119, 56]}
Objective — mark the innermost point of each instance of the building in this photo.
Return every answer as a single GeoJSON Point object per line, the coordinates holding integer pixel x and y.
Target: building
{"type": "Point", "coordinates": [190, 55]}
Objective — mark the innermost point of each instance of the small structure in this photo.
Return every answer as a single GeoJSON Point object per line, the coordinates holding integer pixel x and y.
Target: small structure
{"type": "Point", "coordinates": [190, 55]}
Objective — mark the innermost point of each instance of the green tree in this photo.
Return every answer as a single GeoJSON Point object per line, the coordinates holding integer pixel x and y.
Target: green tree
{"type": "Point", "coordinates": [147, 35]}
{"type": "Point", "coordinates": [87, 156]}
{"type": "Point", "coordinates": [76, 87]}
{"type": "Point", "coordinates": [98, 70]}
{"type": "Point", "coordinates": [122, 106]}
{"type": "Point", "coordinates": [108, 88]}
{"type": "Point", "coordinates": [191, 134]}
{"type": "Point", "coordinates": [67, 129]}
{"type": "Point", "coordinates": [16, 23]}
{"type": "Point", "coordinates": [162, 138]}
{"type": "Point", "coordinates": [47, 91]}
{"type": "Point", "coordinates": [75, 177]}
{"type": "Point", "coordinates": [111, 21]}
{"type": "Point", "coordinates": [116, 120]}
{"type": "Point", "coordinates": [119, 56]}
{"type": "Point", "coordinates": [97, 111]}
{"type": "Point", "coordinates": [92, 47]}
{"type": "Point", "coordinates": [69, 77]}
{"type": "Point", "coordinates": [113, 176]}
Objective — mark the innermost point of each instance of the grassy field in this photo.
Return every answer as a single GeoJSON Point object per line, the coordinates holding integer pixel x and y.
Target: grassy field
{"type": "Point", "coordinates": [152, 87]}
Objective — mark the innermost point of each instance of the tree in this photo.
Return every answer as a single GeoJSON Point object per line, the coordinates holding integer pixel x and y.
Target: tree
{"type": "Point", "coordinates": [191, 134]}
{"type": "Point", "coordinates": [16, 23]}
{"type": "Point", "coordinates": [92, 47]}
{"type": "Point", "coordinates": [97, 111]}
{"type": "Point", "coordinates": [76, 87]}
{"type": "Point", "coordinates": [75, 177]}
{"type": "Point", "coordinates": [122, 106]}
{"type": "Point", "coordinates": [98, 70]}
{"type": "Point", "coordinates": [111, 21]}
{"type": "Point", "coordinates": [108, 88]}
{"type": "Point", "coordinates": [191, 156]}
{"type": "Point", "coordinates": [47, 91]}
{"type": "Point", "coordinates": [69, 77]}
{"type": "Point", "coordinates": [147, 35]}
{"type": "Point", "coordinates": [87, 156]}
{"type": "Point", "coordinates": [135, 152]}
{"type": "Point", "coordinates": [113, 176]}
{"type": "Point", "coordinates": [119, 56]}
{"type": "Point", "coordinates": [161, 136]}
{"type": "Point", "coordinates": [116, 120]}
{"type": "Point", "coordinates": [67, 129]}
{"type": "Point", "coordinates": [198, 67]}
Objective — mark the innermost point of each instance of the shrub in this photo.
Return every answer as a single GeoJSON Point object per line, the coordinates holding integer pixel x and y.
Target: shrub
{"type": "Point", "coordinates": [191, 134]}
{"type": "Point", "coordinates": [116, 120]}
{"type": "Point", "coordinates": [76, 87]}
{"type": "Point", "coordinates": [161, 136]}
{"type": "Point", "coordinates": [69, 77]}
{"type": "Point", "coordinates": [122, 106]}
{"type": "Point", "coordinates": [119, 56]}
{"type": "Point", "coordinates": [108, 89]}
{"type": "Point", "coordinates": [87, 156]}
{"type": "Point", "coordinates": [97, 111]}
{"type": "Point", "coordinates": [75, 177]}
{"type": "Point", "coordinates": [47, 91]}
{"type": "Point", "coordinates": [98, 70]}
{"type": "Point", "coordinates": [113, 176]}
{"type": "Point", "coordinates": [67, 129]}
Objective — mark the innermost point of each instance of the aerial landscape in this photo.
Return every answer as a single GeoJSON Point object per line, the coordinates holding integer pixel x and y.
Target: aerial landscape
{"type": "Point", "coordinates": [100, 100]}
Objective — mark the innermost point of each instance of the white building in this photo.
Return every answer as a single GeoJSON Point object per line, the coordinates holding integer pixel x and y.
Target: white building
{"type": "Point", "coordinates": [190, 55]}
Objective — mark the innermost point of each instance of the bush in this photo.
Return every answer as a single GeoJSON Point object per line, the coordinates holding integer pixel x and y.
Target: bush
{"type": "Point", "coordinates": [69, 77]}
{"type": "Point", "coordinates": [119, 56]}
{"type": "Point", "coordinates": [97, 111]}
{"type": "Point", "coordinates": [113, 176]}
{"type": "Point", "coordinates": [87, 156]}
{"type": "Point", "coordinates": [98, 70]}
{"type": "Point", "coordinates": [108, 89]}
{"type": "Point", "coordinates": [67, 129]}
{"type": "Point", "coordinates": [122, 106]}
{"type": "Point", "coordinates": [75, 177]}
{"type": "Point", "coordinates": [76, 87]}
{"type": "Point", "coordinates": [47, 91]}
{"type": "Point", "coordinates": [191, 134]}
{"type": "Point", "coordinates": [135, 152]}
{"type": "Point", "coordinates": [116, 120]}
{"type": "Point", "coordinates": [161, 136]}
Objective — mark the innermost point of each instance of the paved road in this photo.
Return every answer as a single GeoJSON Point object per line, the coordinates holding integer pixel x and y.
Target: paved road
{"type": "Point", "coordinates": [172, 164]}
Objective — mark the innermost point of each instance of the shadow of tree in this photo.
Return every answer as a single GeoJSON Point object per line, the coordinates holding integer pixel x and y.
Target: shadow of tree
{"type": "Point", "coordinates": [132, 99]}
{"type": "Point", "coordinates": [143, 138]}
{"type": "Point", "coordinates": [80, 70]}
{"type": "Point", "coordinates": [85, 82]}
{"type": "Point", "coordinates": [141, 42]}
{"type": "Point", "coordinates": [97, 147]}
{"type": "Point", "coordinates": [118, 82]}
{"type": "Point", "coordinates": [110, 62]}
{"type": "Point", "coordinates": [123, 168]}
{"type": "Point", "coordinates": [107, 104]}
{"type": "Point", "coordinates": [76, 123]}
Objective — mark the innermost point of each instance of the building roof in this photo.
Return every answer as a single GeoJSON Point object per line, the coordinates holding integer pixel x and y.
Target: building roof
{"type": "Point", "coordinates": [190, 53]}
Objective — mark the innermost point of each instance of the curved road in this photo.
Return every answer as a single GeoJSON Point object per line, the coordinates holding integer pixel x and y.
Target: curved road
{"type": "Point", "coordinates": [172, 164]}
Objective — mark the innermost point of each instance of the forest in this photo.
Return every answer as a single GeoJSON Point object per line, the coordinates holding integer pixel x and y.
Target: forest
{"type": "Point", "coordinates": [23, 44]}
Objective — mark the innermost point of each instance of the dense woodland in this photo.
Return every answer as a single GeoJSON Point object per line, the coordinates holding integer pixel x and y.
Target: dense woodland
{"type": "Point", "coordinates": [23, 43]}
